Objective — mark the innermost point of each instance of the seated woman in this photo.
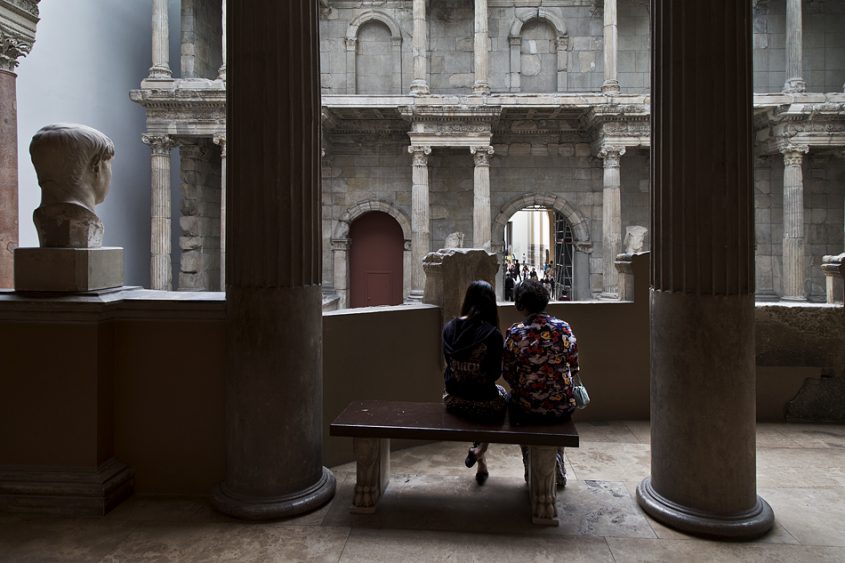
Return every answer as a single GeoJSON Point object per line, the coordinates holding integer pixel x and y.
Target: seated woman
{"type": "Point", "coordinates": [472, 345]}
{"type": "Point", "coordinates": [539, 360]}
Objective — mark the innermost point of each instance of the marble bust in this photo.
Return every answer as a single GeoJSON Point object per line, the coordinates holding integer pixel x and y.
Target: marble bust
{"type": "Point", "coordinates": [73, 164]}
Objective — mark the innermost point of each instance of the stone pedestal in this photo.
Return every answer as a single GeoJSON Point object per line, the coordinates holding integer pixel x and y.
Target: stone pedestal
{"type": "Point", "coordinates": [703, 470]}
{"type": "Point", "coordinates": [448, 273]}
{"type": "Point", "coordinates": [834, 270]}
{"type": "Point", "coordinates": [274, 379]}
{"type": "Point", "coordinates": [70, 270]}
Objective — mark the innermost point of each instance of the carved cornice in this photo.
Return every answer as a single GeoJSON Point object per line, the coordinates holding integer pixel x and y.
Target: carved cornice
{"type": "Point", "coordinates": [28, 6]}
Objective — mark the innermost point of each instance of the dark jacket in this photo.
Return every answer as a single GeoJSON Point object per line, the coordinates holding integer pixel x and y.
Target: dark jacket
{"type": "Point", "coordinates": [473, 351]}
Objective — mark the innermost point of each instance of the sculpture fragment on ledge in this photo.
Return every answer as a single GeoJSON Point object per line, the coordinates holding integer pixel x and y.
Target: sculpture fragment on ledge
{"type": "Point", "coordinates": [73, 165]}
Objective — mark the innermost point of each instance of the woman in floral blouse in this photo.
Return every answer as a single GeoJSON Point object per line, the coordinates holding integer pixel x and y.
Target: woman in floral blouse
{"type": "Point", "coordinates": [538, 362]}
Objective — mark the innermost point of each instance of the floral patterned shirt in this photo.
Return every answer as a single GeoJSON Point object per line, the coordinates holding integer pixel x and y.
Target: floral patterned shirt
{"type": "Point", "coordinates": [539, 359]}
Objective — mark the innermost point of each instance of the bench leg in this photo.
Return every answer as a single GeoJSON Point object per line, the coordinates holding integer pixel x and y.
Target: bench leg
{"type": "Point", "coordinates": [372, 456]}
{"type": "Point", "coordinates": [541, 485]}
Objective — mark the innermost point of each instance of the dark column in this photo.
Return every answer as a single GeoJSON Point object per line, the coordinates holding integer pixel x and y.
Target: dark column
{"type": "Point", "coordinates": [702, 336]}
{"type": "Point", "coordinates": [273, 301]}
{"type": "Point", "coordinates": [8, 177]}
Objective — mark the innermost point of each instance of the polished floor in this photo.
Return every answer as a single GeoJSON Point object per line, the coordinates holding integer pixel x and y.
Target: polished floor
{"type": "Point", "coordinates": [434, 511]}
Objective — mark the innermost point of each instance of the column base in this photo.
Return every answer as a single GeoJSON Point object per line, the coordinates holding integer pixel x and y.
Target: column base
{"type": "Point", "coordinates": [794, 86]}
{"type": "Point", "coordinates": [415, 296]}
{"type": "Point", "coordinates": [268, 508]}
{"type": "Point", "coordinates": [794, 298]}
{"type": "Point", "coordinates": [750, 524]}
{"type": "Point", "coordinates": [767, 296]}
{"type": "Point", "coordinates": [610, 88]}
{"type": "Point", "coordinates": [481, 88]}
{"type": "Point", "coordinates": [160, 73]}
{"type": "Point", "coordinates": [609, 296]}
{"type": "Point", "coordinates": [419, 88]}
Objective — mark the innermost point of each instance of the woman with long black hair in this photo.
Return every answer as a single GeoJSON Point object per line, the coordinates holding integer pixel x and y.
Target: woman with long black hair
{"type": "Point", "coordinates": [472, 346]}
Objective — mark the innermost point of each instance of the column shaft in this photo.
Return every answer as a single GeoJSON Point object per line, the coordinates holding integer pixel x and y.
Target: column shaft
{"type": "Point", "coordinates": [793, 224]}
{"type": "Point", "coordinates": [702, 329]}
{"type": "Point", "coordinates": [794, 48]}
{"type": "Point", "coordinates": [611, 83]}
{"type": "Point", "coordinates": [481, 220]}
{"type": "Point", "coordinates": [611, 219]}
{"type": "Point", "coordinates": [419, 85]}
{"type": "Point", "coordinates": [482, 57]}
{"type": "Point", "coordinates": [161, 268]}
{"type": "Point", "coordinates": [221, 74]}
{"type": "Point", "coordinates": [420, 218]}
{"type": "Point", "coordinates": [161, 41]}
{"type": "Point", "coordinates": [8, 177]}
{"type": "Point", "coordinates": [273, 298]}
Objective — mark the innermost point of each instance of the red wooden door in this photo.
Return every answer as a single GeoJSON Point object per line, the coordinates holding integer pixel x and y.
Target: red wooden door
{"type": "Point", "coordinates": [375, 260]}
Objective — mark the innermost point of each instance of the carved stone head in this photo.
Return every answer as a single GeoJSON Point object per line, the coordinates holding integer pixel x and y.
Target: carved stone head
{"type": "Point", "coordinates": [73, 164]}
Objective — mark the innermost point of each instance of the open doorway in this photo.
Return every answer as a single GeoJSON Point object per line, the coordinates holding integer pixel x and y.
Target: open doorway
{"type": "Point", "coordinates": [541, 239]}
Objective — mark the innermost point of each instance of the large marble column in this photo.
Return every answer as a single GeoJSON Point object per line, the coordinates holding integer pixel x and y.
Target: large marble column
{"type": "Point", "coordinates": [161, 42]}
{"type": "Point", "coordinates": [794, 48]}
{"type": "Point", "coordinates": [221, 141]}
{"type": "Point", "coordinates": [703, 465]}
{"type": "Point", "coordinates": [273, 370]}
{"type": "Point", "coordinates": [221, 73]}
{"type": "Point", "coordinates": [481, 54]}
{"type": "Point", "coordinates": [420, 219]}
{"type": "Point", "coordinates": [481, 221]}
{"type": "Point", "coordinates": [161, 267]}
{"type": "Point", "coordinates": [611, 219]}
{"type": "Point", "coordinates": [794, 269]}
{"type": "Point", "coordinates": [611, 83]}
{"type": "Point", "coordinates": [17, 35]}
{"type": "Point", "coordinates": [419, 85]}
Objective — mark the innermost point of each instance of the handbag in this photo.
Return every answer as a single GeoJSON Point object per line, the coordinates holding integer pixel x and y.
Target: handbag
{"type": "Point", "coordinates": [579, 391]}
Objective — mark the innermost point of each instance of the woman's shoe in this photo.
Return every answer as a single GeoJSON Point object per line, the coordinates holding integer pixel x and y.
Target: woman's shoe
{"type": "Point", "coordinates": [471, 458]}
{"type": "Point", "coordinates": [481, 477]}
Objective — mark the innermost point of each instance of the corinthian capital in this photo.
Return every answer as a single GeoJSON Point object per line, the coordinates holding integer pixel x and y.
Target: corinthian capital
{"type": "Point", "coordinates": [159, 144]}
{"type": "Point", "coordinates": [420, 153]}
{"type": "Point", "coordinates": [482, 154]}
{"type": "Point", "coordinates": [611, 154]}
{"type": "Point", "coordinates": [793, 155]}
{"type": "Point", "coordinates": [12, 46]}
{"type": "Point", "coordinates": [220, 140]}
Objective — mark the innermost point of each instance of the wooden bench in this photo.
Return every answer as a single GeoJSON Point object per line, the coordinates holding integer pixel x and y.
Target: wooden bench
{"type": "Point", "coordinates": [371, 425]}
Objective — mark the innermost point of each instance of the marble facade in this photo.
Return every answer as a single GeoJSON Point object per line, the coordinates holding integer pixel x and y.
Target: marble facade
{"type": "Point", "coordinates": [559, 92]}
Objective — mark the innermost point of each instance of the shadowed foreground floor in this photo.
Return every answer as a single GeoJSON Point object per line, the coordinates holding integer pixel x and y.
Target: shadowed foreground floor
{"type": "Point", "coordinates": [434, 511]}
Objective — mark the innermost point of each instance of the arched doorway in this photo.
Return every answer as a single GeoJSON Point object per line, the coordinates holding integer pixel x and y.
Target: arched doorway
{"type": "Point", "coordinates": [376, 246]}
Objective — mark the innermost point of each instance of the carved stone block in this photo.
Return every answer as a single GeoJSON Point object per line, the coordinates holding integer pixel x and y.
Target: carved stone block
{"type": "Point", "coordinates": [68, 269]}
{"type": "Point", "coordinates": [372, 457]}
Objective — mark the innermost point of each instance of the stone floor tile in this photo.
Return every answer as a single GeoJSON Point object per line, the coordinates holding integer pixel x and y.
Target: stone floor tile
{"type": "Point", "coordinates": [611, 461]}
{"type": "Point", "coordinates": [390, 546]}
{"type": "Point", "coordinates": [641, 429]}
{"type": "Point", "coordinates": [458, 504]}
{"type": "Point", "coordinates": [599, 431]}
{"type": "Point", "coordinates": [148, 508]}
{"type": "Point", "coordinates": [814, 516]}
{"type": "Point", "coordinates": [809, 435]}
{"type": "Point", "coordinates": [671, 551]}
{"type": "Point", "coordinates": [61, 539]}
{"type": "Point", "coordinates": [230, 542]}
{"type": "Point", "coordinates": [793, 467]}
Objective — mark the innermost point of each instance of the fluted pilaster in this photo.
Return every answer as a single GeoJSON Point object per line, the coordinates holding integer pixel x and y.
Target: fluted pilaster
{"type": "Point", "coordinates": [273, 297]}
{"type": "Point", "coordinates": [420, 219]}
{"type": "Point", "coordinates": [419, 86]}
{"type": "Point", "coordinates": [161, 41]}
{"type": "Point", "coordinates": [480, 52]}
{"type": "Point", "coordinates": [611, 30]}
{"type": "Point", "coordinates": [161, 268]}
{"type": "Point", "coordinates": [702, 329]}
{"type": "Point", "coordinates": [611, 219]}
{"type": "Point", "coordinates": [794, 270]}
{"type": "Point", "coordinates": [794, 48]}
